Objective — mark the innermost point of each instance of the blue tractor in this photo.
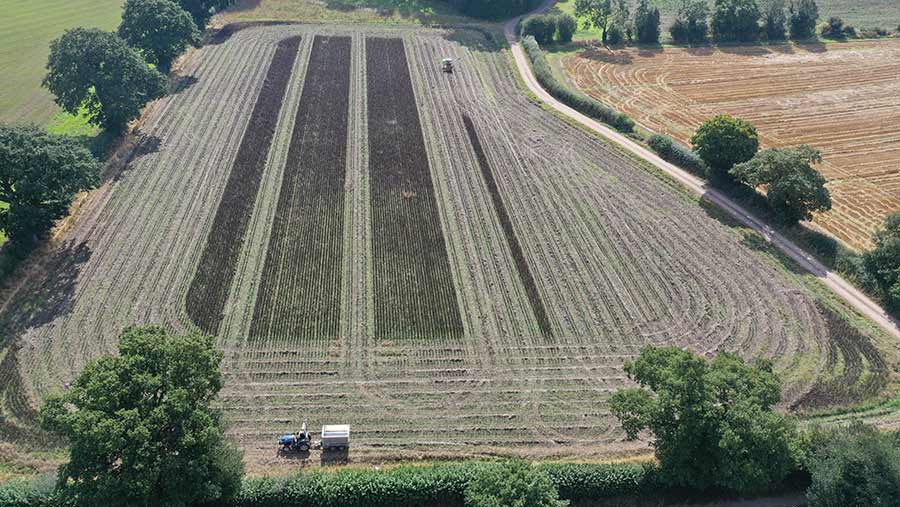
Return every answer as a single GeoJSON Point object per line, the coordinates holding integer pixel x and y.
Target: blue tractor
{"type": "Point", "coordinates": [296, 442]}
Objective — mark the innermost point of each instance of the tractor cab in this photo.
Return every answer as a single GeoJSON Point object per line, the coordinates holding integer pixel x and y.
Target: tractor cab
{"type": "Point", "coordinates": [296, 442]}
{"type": "Point", "coordinates": [447, 65]}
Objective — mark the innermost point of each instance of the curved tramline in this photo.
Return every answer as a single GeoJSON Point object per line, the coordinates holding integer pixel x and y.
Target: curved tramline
{"type": "Point", "coordinates": [430, 257]}
{"type": "Point", "coordinates": [839, 98]}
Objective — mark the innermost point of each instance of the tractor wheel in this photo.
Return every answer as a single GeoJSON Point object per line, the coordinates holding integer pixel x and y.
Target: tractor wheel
{"type": "Point", "coordinates": [304, 447]}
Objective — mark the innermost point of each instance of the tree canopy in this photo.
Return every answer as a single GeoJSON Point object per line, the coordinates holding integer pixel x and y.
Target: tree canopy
{"type": "Point", "coordinates": [856, 466]}
{"type": "Point", "coordinates": [514, 483]}
{"type": "Point", "coordinates": [724, 141]}
{"type": "Point", "coordinates": [735, 20]}
{"type": "Point", "coordinates": [596, 13]}
{"type": "Point", "coordinates": [803, 19]}
{"type": "Point", "coordinates": [882, 263]}
{"type": "Point", "coordinates": [712, 423]}
{"type": "Point", "coordinates": [141, 428]}
{"type": "Point", "coordinates": [39, 175]}
{"type": "Point", "coordinates": [540, 26]}
{"type": "Point", "coordinates": [690, 25]}
{"type": "Point", "coordinates": [774, 19]}
{"type": "Point", "coordinates": [160, 29]}
{"type": "Point", "coordinates": [202, 10]}
{"type": "Point", "coordinates": [794, 189]}
{"type": "Point", "coordinates": [99, 73]}
{"type": "Point", "coordinates": [646, 22]}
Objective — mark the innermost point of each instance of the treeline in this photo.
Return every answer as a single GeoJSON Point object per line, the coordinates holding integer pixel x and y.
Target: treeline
{"type": "Point", "coordinates": [701, 21]}
{"type": "Point", "coordinates": [106, 77]}
{"type": "Point", "coordinates": [712, 425]}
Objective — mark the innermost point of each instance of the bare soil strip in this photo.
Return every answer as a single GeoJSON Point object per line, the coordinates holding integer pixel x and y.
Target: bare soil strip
{"type": "Point", "coordinates": [210, 285]}
{"type": "Point", "coordinates": [537, 305]}
{"type": "Point", "coordinates": [300, 288]}
{"type": "Point", "coordinates": [414, 292]}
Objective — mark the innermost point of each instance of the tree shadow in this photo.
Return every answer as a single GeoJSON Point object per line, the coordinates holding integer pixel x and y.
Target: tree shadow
{"type": "Point", "coordinates": [334, 456]}
{"type": "Point", "coordinates": [613, 55]}
{"type": "Point", "coordinates": [52, 295]}
{"type": "Point", "coordinates": [145, 145]}
{"type": "Point", "coordinates": [178, 84]}
{"type": "Point", "coordinates": [474, 38]}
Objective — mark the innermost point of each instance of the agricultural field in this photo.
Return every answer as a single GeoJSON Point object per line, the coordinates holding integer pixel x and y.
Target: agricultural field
{"type": "Point", "coordinates": [432, 258]}
{"type": "Point", "coordinates": [858, 13]}
{"type": "Point", "coordinates": [415, 12]}
{"type": "Point", "coordinates": [26, 29]}
{"type": "Point", "coordinates": [839, 98]}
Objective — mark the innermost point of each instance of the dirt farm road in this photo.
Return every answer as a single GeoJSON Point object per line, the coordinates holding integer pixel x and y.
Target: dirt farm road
{"type": "Point", "coordinates": [835, 282]}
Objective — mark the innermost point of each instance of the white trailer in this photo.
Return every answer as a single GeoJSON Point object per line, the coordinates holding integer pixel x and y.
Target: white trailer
{"type": "Point", "coordinates": [336, 436]}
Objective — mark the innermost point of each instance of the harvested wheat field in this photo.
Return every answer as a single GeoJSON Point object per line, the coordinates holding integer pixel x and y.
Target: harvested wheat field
{"type": "Point", "coordinates": [431, 258]}
{"type": "Point", "coordinates": [841, 98]}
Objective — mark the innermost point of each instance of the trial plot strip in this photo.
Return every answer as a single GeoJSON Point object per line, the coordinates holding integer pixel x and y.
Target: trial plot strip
{"type": "Point", "coordinates": [300, 292]}
{"type": "Point", "coordinates": [414, 293]}
{"type": "Point", "coordinates": [537, 305]}
{"type": "Point", "coordinates": [212, 282]}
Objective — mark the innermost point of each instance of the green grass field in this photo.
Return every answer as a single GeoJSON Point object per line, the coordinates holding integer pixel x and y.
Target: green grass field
{"type": "Point", "coordinates": [26, 29]}
{"type": "Point", "coordinates": [343, 11]}
{"type": "Point", "coordinates": [859, 13]}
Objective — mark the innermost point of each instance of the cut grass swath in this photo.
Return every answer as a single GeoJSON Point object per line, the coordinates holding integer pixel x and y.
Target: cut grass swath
{"type": "Point", "coordinates": [414, 292]}
{"type": "Point", "coordinates": [299, 295]}
{"type": "Point", "coordinates": [212, 281]}
{"type": "Point", "coordinates": [534, 299]}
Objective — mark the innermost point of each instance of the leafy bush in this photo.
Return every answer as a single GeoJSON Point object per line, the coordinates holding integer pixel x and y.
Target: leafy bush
{"type": "Point", "coordinates": [724, 141]}
{"type": "Point", "coordinates": [804, 15]}
{"type": "Point", "coordinates": [646, 22]}
{"type": "Point", "coordinates": [574, 99]}
{"type": "Point", "coordinates": [24, 493]}
{"type": "Point", "coordinates": [690, 24]}
{"type": "Point", "coordinates": [856, 466]}
{"type": "Point", "coordinates": [541, 27]}
{"type": "Point", "coordinates": [835, 28]}
{"type": "Point", "coordinates": [672, 151]}
{"type": "Point", "coordinates": [566, 26]}
{"type": "Point", "coordinates": [735, 20]}
{"type": "Point", "coordinates": [595, 482]}
{"type": "Point", "coordinates": [515, 483]}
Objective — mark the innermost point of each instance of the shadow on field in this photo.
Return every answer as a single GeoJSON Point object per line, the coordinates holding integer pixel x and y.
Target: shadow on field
{"type": "Point", "coordinates": [473, 38]}
{"type": "Point", "coordinates": [147, 145]}
{"type": "Point", "coordinates": [179, 84]}
{"type": "Point", "coordinates": [335, 457]}
{"type": "Point", "coordinates": [606, 55]}
{"type": "Point", "coordinates": [53, 297]}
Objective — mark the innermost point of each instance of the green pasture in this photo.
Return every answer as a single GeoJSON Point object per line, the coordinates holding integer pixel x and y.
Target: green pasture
{"type": "Point", "coordinates": [26, 29]}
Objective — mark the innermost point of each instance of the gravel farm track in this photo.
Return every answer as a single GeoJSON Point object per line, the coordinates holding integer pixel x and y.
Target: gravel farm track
{"type": "Point", "coordinates": [555, 257]}
{"type": "Point", "coordinates": [838, 97]}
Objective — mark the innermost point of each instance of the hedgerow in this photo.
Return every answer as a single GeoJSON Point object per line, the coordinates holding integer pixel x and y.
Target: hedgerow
{"type": "Point", "coordinates": [406, 486]}
{"type": "Point", "coordinates": [672, 151]}
{"type": "Point", "coordinates": [574, 99]}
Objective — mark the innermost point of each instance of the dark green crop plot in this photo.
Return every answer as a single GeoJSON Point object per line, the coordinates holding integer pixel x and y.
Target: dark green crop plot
{"type": "Point", "coordinates": [218, 263]}
{"type": "Point", "coordinates": [414, 292]}
{"type": "Point", "coordinates": [300, 290]}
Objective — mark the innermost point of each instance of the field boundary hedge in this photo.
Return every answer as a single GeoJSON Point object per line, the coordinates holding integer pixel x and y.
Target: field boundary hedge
{"type": "Point", "coordinates": [579, 101]}
{"type": "Point", "coordinates": [405, 486]}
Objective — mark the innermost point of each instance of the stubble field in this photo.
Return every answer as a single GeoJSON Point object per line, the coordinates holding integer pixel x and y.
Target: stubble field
{"type": "Point", "coordinates": [431, 258]}
{"type": "Point", "coordinates": [839, 98]}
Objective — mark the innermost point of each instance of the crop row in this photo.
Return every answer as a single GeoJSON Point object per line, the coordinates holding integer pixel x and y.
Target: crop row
{"type": "Point", "coordinates": [212, 283]}
{"type": "Point", "coordinates": [414, 292]}
{"type": "Point", "coordinates": [299, 293]}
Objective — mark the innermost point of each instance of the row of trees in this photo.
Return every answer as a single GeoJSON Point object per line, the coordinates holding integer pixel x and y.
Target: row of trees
{"type": "Point", "coordinates": [547, 28]}
{"type": "Point", "coordinates": [696, 22]}
{"type": "Point", "coordinates": [106, 76]}
{"type": "Point", "coordinates": [616, 22]}
{"type": "Point", "coordinates": [143, 429]}
{"type": "Point", "coordinates": [794, 189]}
{"type": "Point", "coordinates": [744, 20]}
